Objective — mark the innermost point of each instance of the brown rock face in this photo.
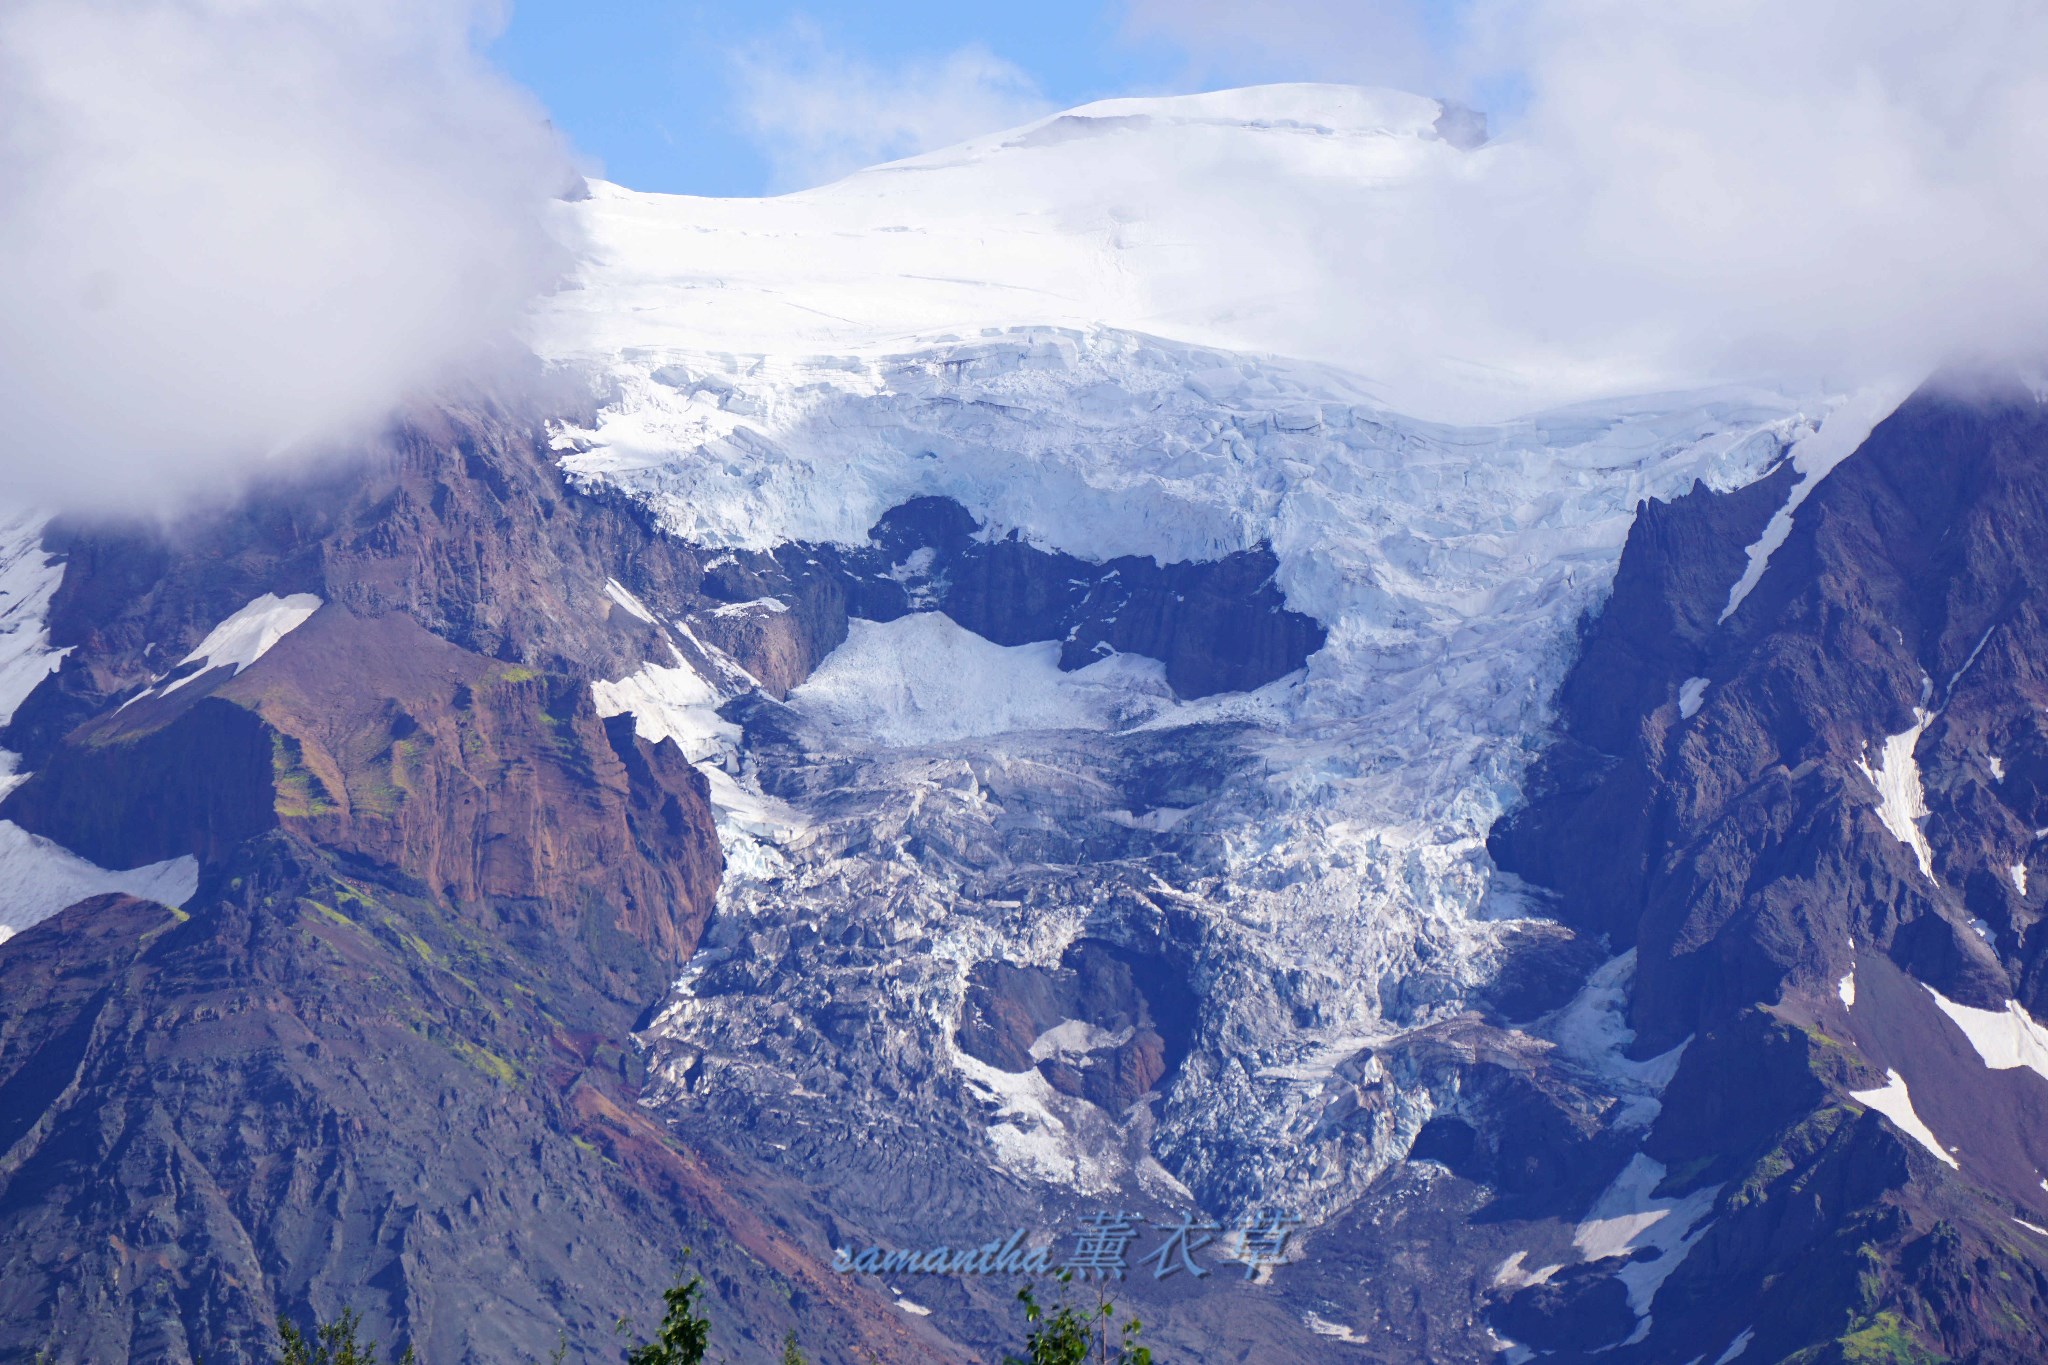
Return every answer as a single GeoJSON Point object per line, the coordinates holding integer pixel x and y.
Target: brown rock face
{"type": "Point", "coordinates": [494, 788]}
{"type": "Point", "coordinates": [383, 1058]}
{"type": "Point", "coordinates": [492, 785]}
{"type": "Point", "coordinates": [315, 1090]}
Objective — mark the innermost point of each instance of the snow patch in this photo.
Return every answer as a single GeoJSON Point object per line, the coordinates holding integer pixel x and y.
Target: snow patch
{"type": "Point", "coordinates": [1158, 820]}
{"type": "Point", "coordinates": [28, 577]}
{"type": "Point", "coordinates": [1035, 1133]}
{"type": "Point", "coordinates": [1511, 1275]}
{"type": "Point", "coordinates": [2018, 873]}
{"type": "Point", "coordinates": [2005, 1039]}
{"type": "Point", "coordinates": [1901, 801]}
{"type": "Point", "coordinates": [675, 702]}
{"type": "Point", "coordinates": [922, 679]}
{"type": "Point", "coordinates": [774, 606]}
{"type": "Point", "coordinates": [634, 606]}
{"type": "Point", "coordinates": [1629, 1218]}
{"type": "Point", "coordinates": [1690, 693]}
{"type": "Point", "coordinates": [1997, 766]}
{"type": "Point", "coordinates": [39, 877]}
{"type": "Point", "coordinates": [1846, 988]}
{"type": "Point", "coordinates": [248, 635]}
{"type": "Point", "coordinates": [1076, 1038]}
{"type": "Point", "coordinates": [2031, 1227]}
{"type": "Point", "coordinates": [1323, 1327]}
{"type": "Point", "coordinates": [669, 702]}
{"type": "Point", "coordinates": [1894, 1101]}
{"type": "Point", "coordinates": [1737, 1346]}
{"type": "Point", "coordinates": [1592, 1032]}
{"type": "Point", "coordinates": [914, 1309]}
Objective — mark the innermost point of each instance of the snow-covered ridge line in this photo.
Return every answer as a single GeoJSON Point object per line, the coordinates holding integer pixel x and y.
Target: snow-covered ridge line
{"type": "Point", "coordinates": [1228, 219]}
{"type": "Point", "coordinates": [1814, 457]}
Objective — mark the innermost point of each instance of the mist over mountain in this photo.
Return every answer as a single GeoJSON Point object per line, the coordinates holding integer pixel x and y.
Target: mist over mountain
{"type": "Point", "coordinates": [1223, 661]}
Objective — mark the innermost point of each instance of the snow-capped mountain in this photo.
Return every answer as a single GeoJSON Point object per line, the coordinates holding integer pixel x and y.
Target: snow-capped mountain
{"type": "Point", "coordinates": [1332, 873]}
{"type": "Point", "coordinates": [1282, 220]}
{"type": "Point", "coordinates": [1006, 689]}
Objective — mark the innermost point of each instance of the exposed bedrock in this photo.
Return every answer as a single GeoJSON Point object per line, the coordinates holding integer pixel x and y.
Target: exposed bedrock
{"type": "Point", "coordinates": [1108, 1025]}
{"type": "Point", "coordinates": [490, 787]}
{"type": "Point", "coordinates": [314, 1089]}
{"type": "Point", "coordinates": [1217, 625]}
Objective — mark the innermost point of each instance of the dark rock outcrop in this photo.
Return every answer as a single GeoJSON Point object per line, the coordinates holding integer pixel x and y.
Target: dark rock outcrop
{"type": "Point", "coordinates": [1134, 1016]}
{"type": "Point", "coordinates": [1218, 626]}
{"type": "Point", "coordinates": [1792, 907]}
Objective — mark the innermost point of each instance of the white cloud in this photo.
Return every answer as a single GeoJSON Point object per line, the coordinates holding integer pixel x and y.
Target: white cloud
{"type": "Point", "coordinates": [820, 114]}
{"type": "Point", "coordinates": [232, 230]}
{"type": "Point", "coordinates": [1741, 186]}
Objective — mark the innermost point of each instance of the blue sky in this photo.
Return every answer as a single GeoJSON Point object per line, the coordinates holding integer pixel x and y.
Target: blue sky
{"type": "Point", "coordinates": [653, 89]}
{"type": "Point", "coordinates": [722, 97]}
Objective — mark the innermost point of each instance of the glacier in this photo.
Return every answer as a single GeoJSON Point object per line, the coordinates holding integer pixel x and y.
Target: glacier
{"type": "Point", "coordinates": [1033, 326]}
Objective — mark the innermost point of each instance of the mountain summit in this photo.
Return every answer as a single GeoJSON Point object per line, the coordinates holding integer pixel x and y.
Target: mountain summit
{"type": "Point", "coordinates": [1285, 219]}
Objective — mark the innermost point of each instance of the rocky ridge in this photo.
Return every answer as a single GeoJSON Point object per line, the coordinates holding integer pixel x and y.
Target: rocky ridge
{"type": "Point", "coordinates": [1819, 826]}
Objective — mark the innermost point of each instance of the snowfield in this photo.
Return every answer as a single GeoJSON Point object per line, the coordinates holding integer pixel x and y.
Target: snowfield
{"type": "Point", "coordinates": [249, 634]}
{"type": "Point", "coordinates": [925, 680]}
{"type": "Point", "coordinates": [1035, 325]}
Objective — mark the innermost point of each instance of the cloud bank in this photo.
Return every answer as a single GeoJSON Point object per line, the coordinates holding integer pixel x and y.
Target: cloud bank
{"type": "Point", "coordinates": [234, 231]}
{"type": "Point", "coordinates": [1836, 188]}
{"type": "Point", "coordinates": [819, 113]}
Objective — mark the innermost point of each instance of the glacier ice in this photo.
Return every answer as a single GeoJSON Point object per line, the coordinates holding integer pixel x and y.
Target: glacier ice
{"type": "Point", "coordinates": [1338, 875]}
